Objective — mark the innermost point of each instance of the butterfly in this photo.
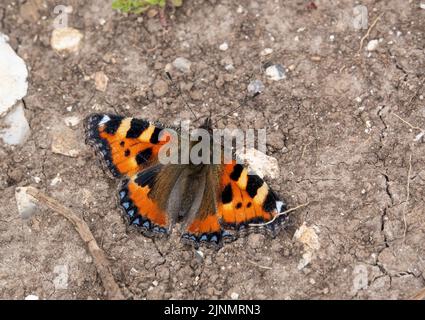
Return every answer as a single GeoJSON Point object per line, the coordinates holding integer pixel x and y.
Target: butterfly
{"type": "Point", "coordinates": [215, 203]}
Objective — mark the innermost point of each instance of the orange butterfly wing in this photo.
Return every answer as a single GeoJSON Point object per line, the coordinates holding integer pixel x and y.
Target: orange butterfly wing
{"type": "Point", "coordinates": [246, 199]}
{"type": "Point", "coordinates": [129, 148]}
{"type": "Point", "coordinates": [139, 208]}
{"type": "Point", "coordinates": [127, 145]}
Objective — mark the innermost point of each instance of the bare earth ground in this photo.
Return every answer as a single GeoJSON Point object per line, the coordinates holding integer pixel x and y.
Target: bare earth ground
{"type": "Point", "coordinates": [348, 157]}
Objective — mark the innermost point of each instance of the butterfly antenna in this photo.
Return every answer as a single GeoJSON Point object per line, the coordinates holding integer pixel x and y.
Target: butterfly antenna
{"type": "Point", "coordinates": [181, 95]}
{"type": "Point", "coordinates": [241, 103]}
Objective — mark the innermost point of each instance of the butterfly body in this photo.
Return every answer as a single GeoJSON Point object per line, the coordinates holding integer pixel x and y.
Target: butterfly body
{"type": "Point", "coordinates": [213, 202]}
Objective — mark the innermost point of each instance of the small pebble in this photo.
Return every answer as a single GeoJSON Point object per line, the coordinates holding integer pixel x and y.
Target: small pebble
{"type": "Point", "coordinates": [101, 81]}
{"type": "Point", "coordinates": [276, 72]}
{"type": "Point", "coordinates": [224, 46]}
{"type": "Point", "coordinates": [182, 64]}
{"type": "Point", "coordinates": [262, 164]}
{"type": "Point", "coordinates": [160, 88]}
{"type": "Point", "coordinates": [255, 86]}
{"type": "Point", "coordinates": [31, 297]}
{"type": "Point", "coordinates": [266, 51]}
{"type": "Point", "coordinates": [372, 45]}
{"type": "Point", "coordinates": [56, 180]}
{"type": "Point", "coordinates": [61, 280]}
{"type": "Point", "coordinates": [14, 128]}
{"type": "Point", "coordinates": [229, 67]}
{"type": "Point", "coordinates": [24, 202]}
{"type": "Point", "coordinates": [200, 254]}
{"type": "Point", "coordinates": [65, 141]}
{"type": "Point", "coordinates": [72, 121]}
{"type": "Point", "coordinates": [234, 296]}
{"type": "Point", "coordinates": [255, 240]}
{"type": "Point", "coordinates": [66, 39]}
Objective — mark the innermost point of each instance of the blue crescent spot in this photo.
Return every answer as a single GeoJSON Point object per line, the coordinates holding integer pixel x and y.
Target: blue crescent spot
{"type": "Point", "coordinates": [126, 205]}
{"type": "Point", "coordinates": [204, 237]}
{"type": "Point", "coordinates": [136, 221]}
{"type": "Point", "coordinates": [226, 234]}
{"type": "Point", "coordinates": [214, 238]}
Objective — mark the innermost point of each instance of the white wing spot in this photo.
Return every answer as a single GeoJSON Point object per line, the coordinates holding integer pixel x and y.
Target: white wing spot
{"type": "Point", "coordinates": [279, 205]}
{"type": "Point", "coordinates": [104, 120]}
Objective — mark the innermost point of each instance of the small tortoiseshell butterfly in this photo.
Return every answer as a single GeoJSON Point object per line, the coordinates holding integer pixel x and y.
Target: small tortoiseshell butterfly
{"type": "Point", "coordinates": [216, 203]}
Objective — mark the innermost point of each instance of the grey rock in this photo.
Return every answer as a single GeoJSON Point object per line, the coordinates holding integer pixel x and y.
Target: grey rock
{"type": "Point", "coordinates": [256, 86]}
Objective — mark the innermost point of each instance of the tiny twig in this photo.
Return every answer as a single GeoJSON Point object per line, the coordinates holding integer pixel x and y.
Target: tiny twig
{"type": "Point", "coordinates": [113, 292]}
{"type": "Point", "coordinates": [259, 265]}
{"type": "Point", "coordinates": [368, 31]}
{"type": "Point", "coordinates": [419, 136]}
{"type": "Point", "coordinates": [278, 215]}
{"type": "Point", "coordinates": [408, 123]}
{"type": "Point", "coordinates": [407, 198]}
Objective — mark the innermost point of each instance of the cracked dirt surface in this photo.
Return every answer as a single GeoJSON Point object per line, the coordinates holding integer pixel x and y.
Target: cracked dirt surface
{"type": "Point", "coordinates": [330, 124]}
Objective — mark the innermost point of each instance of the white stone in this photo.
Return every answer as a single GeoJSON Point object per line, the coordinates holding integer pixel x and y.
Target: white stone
{"type": "Point", "coordinates": [72, 121]}
{"type": "Point", "coordinates": [32, 297]}
{"type": "Point", "coordinates": [61, 280]}
{"type": "Point", "coordinates": [200, 253]}
{"type": "Point", "coordinates": [260, 163]}
{"type": "Point", "coordinates": [266, 51]}
{"type": "Point", "coordinates": [234, 296]}
{"type": "Point", "coordinates": [182, 64]}
{"type": "Point", "coordinates": [16, 128]}
{"type": "Point", "coordinates": [25, 203]}
{"type": "Point", "coordinates": [255, 86]}
{"type": "Point", "coordinates": [13, 76]}
{"type": "Point", "coordinates": [229, 67]}
{"type": "Point", "coordinates": [133, 271]}
{"type": "Point", "coordinates": [372, 45]}
{"type": "Point", "coordinates": [419, 136]}
{"type": "Point", "coordinates": [308, 237]}
{"type": "Point", "coordinates": [66, 39]}
{"type": "Point", "coordinates": [224, 46]}
{"type": "Point", "coordinates": [56, 180]}
{"type": "Point", "coordinates": [422, 5]}
{"type": "Point", "coordinates": [276, 72]}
